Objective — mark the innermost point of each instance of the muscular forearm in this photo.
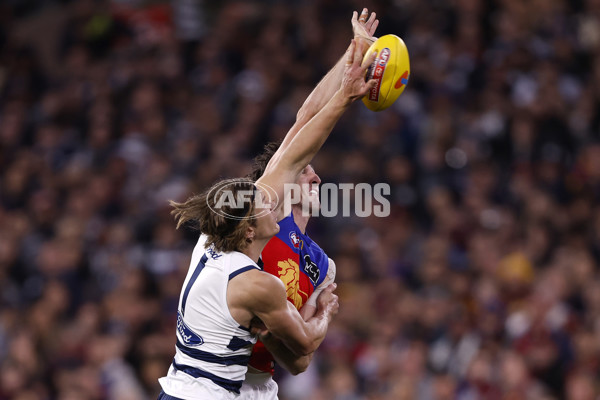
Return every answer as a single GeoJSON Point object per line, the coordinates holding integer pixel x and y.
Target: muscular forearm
{"type": "Point", "coordinates": [313, 134]}
{"type": "Point", "coordinates": [322, 92]}
{"type": "Point", "coordinates": [310, 335]}
{"type": "Point", "coordinates": [317, 326]}
{"type": "Point", "coordinates": [317, 99]}
{"type": "Point", "coordinates": [284, 357]}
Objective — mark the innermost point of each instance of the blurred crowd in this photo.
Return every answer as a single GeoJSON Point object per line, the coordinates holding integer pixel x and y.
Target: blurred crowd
{"type": "Point", "coordinates": [484, 281]}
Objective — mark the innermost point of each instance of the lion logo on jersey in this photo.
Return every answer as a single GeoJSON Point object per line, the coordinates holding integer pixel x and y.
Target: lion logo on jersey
{"type": "Point", "coordinates": [289, 273]}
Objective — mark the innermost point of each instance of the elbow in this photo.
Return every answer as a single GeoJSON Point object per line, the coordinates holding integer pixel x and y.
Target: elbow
{"type": "Point", "coordinates": [300, 366]}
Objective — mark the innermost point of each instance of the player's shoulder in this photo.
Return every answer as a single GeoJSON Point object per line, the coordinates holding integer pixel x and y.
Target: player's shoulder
{"type": "Point", "coordinates": [259, 286]}
{"type": "Point", "coordinates": [331, 271]}
{"type": "Point", "coordinates": [315, 250]}
{"type": "Point", "coordinates": [331, 264]}
{"type": "Point", "coordinates": [239, 258]}
{"type": "Point", "coordinates": [237, 262]}
{"type": "Point", "coordinates": [231, 263]}
{"type": "Point", "coordinates": [263, 280]}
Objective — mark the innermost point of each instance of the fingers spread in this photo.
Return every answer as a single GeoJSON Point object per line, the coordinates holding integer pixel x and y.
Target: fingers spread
{"type": "Point", "coordinates": [369, 60]}
{"type": "Point", "coordinates": [374, 27]}
{"type": "Point", "coordinates": [371, 18]}
{"type": "Point", "coordinates": [363, 15]}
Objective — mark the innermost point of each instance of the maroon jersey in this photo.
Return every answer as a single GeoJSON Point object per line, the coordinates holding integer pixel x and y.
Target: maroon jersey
{"type": "Point", "coordinates": [300, 264]}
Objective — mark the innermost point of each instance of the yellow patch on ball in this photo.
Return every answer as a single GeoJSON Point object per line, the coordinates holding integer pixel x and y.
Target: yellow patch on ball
{"type": "Point", "coordinates": [391, 70]}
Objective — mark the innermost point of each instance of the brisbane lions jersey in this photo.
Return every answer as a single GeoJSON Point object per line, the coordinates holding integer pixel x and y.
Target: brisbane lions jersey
{"type": "Point", "coordinates": [301, 265]}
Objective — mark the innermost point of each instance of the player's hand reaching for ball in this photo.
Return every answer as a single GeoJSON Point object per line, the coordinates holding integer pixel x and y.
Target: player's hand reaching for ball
{"type": "Point", "coordinates": [353, 82]}
{"type": "Point", "coordinates": [364, 26]}
{"type": "Point", "coordinates": [327, 302]}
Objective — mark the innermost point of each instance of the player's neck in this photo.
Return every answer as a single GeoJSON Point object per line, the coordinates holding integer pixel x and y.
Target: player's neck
{"type": "Point", "coordinates": [254, 249]}
{"type": "Point", "coordinates": [300, 218]}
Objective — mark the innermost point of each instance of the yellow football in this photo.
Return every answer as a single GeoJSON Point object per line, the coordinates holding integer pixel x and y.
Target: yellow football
{"type": "Point", "coordinates": [391, 70]}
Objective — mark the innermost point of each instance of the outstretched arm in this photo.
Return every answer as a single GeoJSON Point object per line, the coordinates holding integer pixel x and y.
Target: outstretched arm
{"type": "Point", "coordinates": [363, 30]}
{"type": "Point", "coordinates": [288, 162]}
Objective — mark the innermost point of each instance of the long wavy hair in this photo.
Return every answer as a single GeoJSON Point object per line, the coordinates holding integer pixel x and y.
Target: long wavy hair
{"type": "Point", "coordinates": [224, 224]}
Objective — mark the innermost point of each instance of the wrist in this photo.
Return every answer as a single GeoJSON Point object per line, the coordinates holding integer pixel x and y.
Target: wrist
{"type": "Point", "coordinates": [369, 40]}
{"type": "Point", "coordinates": [325, 313]}
{"type": "Point", "coordinates": [342, 99]}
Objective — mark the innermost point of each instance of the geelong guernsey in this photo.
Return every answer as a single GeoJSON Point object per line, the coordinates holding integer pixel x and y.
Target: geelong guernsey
{"type": "Point", "coordinates": [212, 349]}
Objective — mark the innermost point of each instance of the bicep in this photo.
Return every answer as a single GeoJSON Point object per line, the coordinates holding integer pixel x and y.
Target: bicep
{"type": "Point", "coordinates": [279, 316]}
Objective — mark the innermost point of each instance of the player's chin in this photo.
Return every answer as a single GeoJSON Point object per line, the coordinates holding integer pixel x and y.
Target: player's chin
{"type": "Point", "coordinates": [315, 206]}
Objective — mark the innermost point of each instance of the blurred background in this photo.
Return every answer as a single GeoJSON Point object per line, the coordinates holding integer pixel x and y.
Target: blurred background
{"type": "Point", "coordinates": [483, 283]}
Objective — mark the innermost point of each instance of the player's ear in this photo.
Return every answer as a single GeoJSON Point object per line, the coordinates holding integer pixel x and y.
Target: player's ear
{"type": "Point", "coordinates": [250, 234]}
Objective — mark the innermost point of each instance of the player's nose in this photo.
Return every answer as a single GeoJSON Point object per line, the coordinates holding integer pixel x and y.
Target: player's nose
{"type": "Point", "coordinates": [316, 180]}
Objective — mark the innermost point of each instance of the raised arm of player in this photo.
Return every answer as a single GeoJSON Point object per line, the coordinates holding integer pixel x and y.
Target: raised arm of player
{"type": "Point", "coordinates": [287, 163]}
{"type": "Point", "coordinates": [363, 29]}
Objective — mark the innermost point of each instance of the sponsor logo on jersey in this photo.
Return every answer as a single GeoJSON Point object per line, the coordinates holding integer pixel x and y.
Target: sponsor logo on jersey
{"type": "Point", "coordinates": [188, 337]}
{"type": "Point", "coordinates": [311, 269]}
{"type": "Point", "coordinates": [213, 253]}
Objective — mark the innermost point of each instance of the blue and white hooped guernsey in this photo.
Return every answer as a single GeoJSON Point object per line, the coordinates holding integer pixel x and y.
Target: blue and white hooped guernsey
{"type": "Point", "coordinates": [212, 349]}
